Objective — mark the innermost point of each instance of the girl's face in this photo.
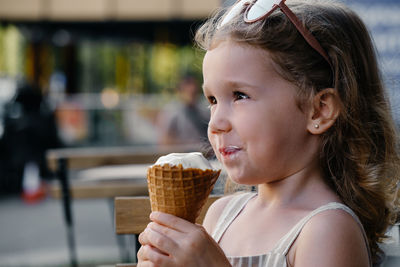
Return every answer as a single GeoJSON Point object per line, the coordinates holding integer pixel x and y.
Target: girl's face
{"type": "Point", "coordinates": [256, 128]}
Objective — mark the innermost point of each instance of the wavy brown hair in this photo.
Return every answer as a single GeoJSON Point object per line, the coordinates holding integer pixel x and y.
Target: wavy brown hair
{"type": "Point", "coordinates": [359, 153]}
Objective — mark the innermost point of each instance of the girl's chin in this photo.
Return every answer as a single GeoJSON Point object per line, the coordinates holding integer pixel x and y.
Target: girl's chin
{"type": "Point", "coordinates": [246, 180]}
{"type": "Point", "coordinates": [239, 179]}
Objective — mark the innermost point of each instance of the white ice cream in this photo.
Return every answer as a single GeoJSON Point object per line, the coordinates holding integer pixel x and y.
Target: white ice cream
{"type": "Point", "coordinates": [188, 160]}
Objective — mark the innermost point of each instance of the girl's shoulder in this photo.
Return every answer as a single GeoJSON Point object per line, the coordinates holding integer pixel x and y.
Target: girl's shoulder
{"type": "Point", "coordinates": [214, 212]}
{"type": "Point", "coordinates": [216, 209]}
{"type": "Point", "coordinates": [333, 238]}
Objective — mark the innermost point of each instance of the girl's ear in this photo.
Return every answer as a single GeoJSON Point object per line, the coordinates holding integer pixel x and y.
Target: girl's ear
{"type": "Point", "coordinates": [324, 111]}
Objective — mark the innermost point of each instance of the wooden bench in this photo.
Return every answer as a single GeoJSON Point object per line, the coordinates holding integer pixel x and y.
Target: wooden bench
{"type": "Point", "coordinates": [132, 216]}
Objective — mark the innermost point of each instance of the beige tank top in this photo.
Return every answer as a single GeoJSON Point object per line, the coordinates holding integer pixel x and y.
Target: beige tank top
{"type": "Point", "coordinates": [277, 256]}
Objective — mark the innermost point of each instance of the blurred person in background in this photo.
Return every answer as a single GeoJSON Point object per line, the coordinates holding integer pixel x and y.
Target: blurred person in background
{"type": "Point", "coordinates": [29, 130]}
{"type": "Point", "coordinates": [186, 122]}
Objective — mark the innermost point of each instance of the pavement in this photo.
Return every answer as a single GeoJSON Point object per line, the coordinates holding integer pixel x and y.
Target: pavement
{"type": "Point", "coordinates": [34, 234]}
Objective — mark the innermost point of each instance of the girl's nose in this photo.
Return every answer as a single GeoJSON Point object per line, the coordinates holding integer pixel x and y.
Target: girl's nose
{"type": "Point", "coordinates": [219, 121]}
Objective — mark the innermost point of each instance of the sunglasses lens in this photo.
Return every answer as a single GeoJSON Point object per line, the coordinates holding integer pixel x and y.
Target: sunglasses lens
{"type": "Point", "coordinates": [234, 11]}
{"type": "Point", "coordinates": [259, 9]}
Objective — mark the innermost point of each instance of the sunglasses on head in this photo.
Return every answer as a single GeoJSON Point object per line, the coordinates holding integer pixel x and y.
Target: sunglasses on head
{"type": "Point", "coordinates": [260, 9]}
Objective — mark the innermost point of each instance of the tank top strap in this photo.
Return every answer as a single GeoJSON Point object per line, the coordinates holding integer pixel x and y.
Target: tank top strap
{"type": "Point", "coordinates": [287, 241]}
{"type": "Point", "coordinates": [230, 212]}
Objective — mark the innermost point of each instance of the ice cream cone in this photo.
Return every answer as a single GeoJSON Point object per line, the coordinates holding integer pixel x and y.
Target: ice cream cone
{"type": "Point", "coordinates": [180, 191]}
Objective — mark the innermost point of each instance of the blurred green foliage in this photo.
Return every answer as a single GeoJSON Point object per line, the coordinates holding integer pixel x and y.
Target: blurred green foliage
{"type": "Point", "coordinates": [128, 67]}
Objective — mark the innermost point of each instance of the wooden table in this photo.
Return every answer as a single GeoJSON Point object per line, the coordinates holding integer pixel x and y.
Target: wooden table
{"type": "Point", "coordinates": [106, 182]}
{"type": "Point", "coordinates": [88, 157]}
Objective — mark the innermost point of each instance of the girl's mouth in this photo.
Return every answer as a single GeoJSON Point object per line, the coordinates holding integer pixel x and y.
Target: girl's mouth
{"type": "Point", "coordinates": [229, 150]}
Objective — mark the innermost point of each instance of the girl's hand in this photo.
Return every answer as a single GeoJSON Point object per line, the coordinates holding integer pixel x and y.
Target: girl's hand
{"type": "Point", "coordinates": [172, 241]}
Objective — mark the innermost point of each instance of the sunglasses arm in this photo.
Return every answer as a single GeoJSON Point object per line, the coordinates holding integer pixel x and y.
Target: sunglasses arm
{"type": "Point", "coordinates": [306, 33]}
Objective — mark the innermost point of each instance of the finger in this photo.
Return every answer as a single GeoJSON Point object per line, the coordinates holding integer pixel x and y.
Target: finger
{"type": "Point", "coordinates": [144, 241]}
{"type": "Point", "coordinates": [148, 253]}
{"type": "Point", "coordinates": [141, 254]}
{"type": "Point", "coordinates": [171, 221]}
{"type": "Point", "coordinates": [173, 234]}
{"type": "Point", "coordinates": [143, 238]}
{"type": "Point", "coordinates": [195, 234]}
{"type": "Point", "coordinates": [161, 241]}
{"type": "Point", "coordinates": [161, 232]}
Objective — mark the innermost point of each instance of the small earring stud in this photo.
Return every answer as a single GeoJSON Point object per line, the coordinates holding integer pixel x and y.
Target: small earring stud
{"type": "Point", "coordinates": [316, 126]}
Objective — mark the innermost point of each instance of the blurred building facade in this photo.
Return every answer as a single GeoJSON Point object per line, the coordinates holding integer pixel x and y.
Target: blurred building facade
{"type": "Point", "coordinates": [109, 66]}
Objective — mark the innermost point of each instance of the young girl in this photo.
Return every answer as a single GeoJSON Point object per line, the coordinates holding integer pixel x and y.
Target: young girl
{"type": "Point", "coordinates": [297, 108]}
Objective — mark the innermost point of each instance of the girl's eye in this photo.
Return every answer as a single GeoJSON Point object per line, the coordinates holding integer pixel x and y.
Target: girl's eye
{"type": "Point", "coordinates": [239, 95]}
{"type": "Point", "coordinates": [212, 100]}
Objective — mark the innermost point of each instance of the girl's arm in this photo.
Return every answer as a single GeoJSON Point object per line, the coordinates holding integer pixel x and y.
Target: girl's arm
{"type": "Point", "coordinates": [330, 239]}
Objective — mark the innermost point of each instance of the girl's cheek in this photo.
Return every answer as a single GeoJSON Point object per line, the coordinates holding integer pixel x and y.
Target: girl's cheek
{"type": "Point", "coordinates": [210, 137]}
{"type": "Point", "coordinates": [213, 144]}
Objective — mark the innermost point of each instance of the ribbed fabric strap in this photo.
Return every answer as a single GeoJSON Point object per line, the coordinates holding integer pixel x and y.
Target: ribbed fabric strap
{"type": "Point", "coordinates": [287, 241]}
{"type": "Point", "coordinates": [231, 211]}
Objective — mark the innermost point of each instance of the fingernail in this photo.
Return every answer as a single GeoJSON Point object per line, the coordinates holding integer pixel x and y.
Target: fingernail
{"type": "Point", "coordinates": [153, 215]}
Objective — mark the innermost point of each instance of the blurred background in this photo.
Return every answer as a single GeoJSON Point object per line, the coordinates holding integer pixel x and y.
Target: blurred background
{"type": "Point", "coordinates": [108, 75]}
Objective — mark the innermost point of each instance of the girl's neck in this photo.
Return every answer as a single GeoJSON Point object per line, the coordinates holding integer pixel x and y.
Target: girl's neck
{"type": "Point", "coordinates": [304, 188]}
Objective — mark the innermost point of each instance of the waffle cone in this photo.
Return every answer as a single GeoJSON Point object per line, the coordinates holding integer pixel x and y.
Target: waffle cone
{"type": "Point", "coordinates": [178, 191]}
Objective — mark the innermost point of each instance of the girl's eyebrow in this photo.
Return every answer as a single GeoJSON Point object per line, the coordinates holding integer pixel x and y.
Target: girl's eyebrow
{"type": "Point", "coordinates": [239, 84]}
{"type": "Point", "coordinates": [233, 84]}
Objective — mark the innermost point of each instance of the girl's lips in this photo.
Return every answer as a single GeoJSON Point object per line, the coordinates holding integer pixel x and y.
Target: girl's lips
{"type": "Point", "coordinates": [230, 150]}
